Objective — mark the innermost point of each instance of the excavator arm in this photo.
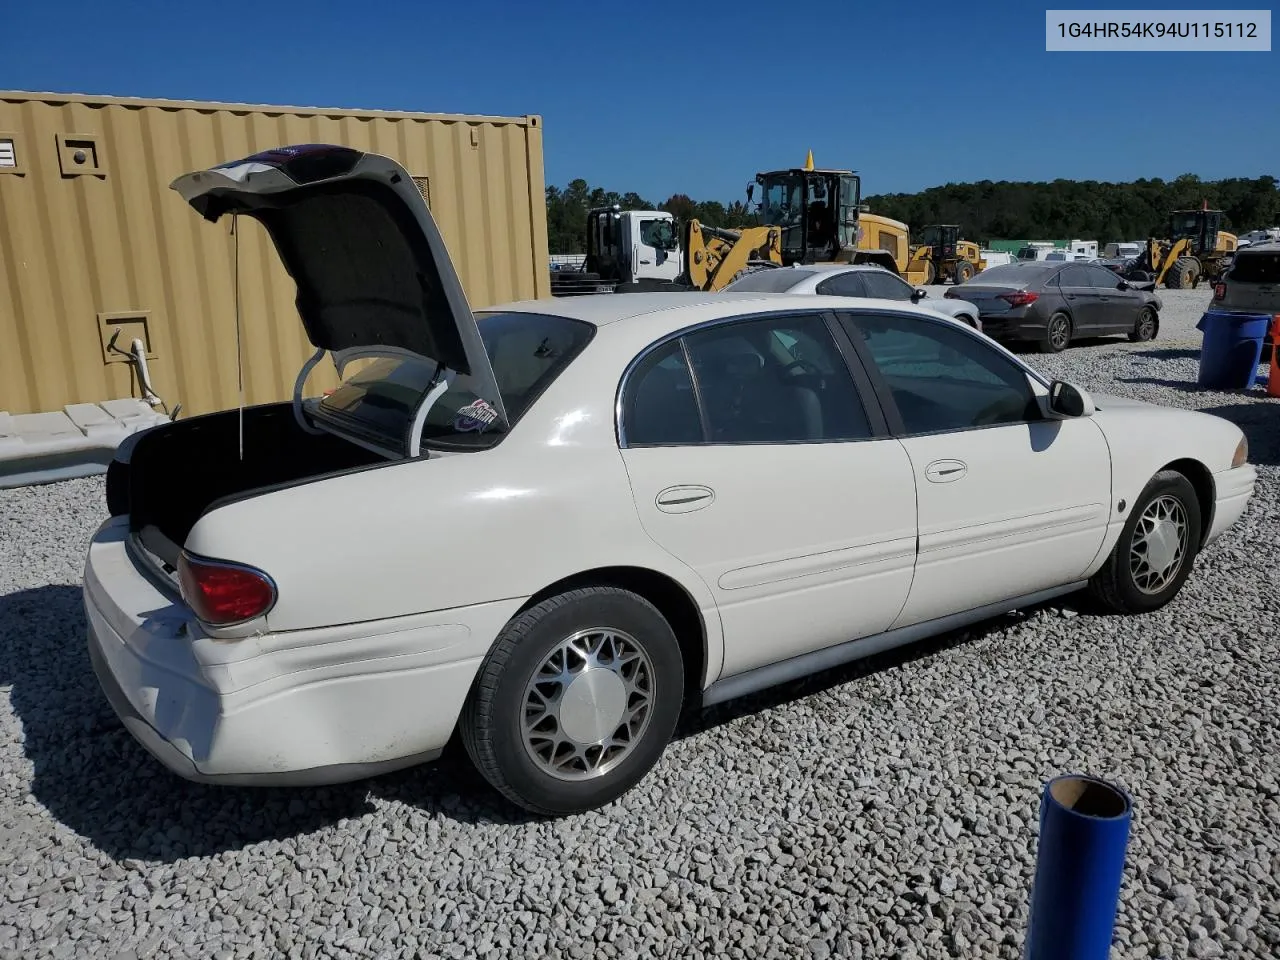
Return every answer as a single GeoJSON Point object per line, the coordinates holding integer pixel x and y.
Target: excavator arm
{"type": "Point", "coordinates": [713, 256]}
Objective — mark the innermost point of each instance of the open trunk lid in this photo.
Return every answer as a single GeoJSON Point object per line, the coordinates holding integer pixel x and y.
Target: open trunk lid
{"type": "Point", "coordinates": [374, 279]}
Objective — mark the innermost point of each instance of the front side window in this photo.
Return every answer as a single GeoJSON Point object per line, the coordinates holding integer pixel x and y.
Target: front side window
{"type": "Point", "coordinates": [941, 378]}
{"type": "Point", "coordinates": [886, 286]}
{"type": "Point", "coordinates": [657, 233]}
{"type": "Point", "coordinates": [847, 284]}
{"type": "Point", "coordinates": [772, 380]}
{"type": "Point", "coordinates": [1102, 277]}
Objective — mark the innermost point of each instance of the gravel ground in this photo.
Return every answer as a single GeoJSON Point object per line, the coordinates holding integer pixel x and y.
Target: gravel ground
{"type": "Point", "coordinates": [886, 810]}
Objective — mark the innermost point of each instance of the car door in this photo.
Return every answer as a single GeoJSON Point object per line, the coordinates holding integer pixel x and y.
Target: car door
{"type": "Point", "coordinates": [761, 460]}
{"type": "Point", "coordinates": [1082, 298]}
{"type": "Point", "coordinates": [653, 257]}
{"type": "Point", "coordinates": [1117, 308]}
{"type": "Point", "coordinates": [1010, 503]}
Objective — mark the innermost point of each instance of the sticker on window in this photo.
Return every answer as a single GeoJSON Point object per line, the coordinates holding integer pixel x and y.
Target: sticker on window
{"type": "Point", "coordinates": [475, 417]}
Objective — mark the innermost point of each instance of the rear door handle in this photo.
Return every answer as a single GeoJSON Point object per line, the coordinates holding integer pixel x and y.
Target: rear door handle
{"type": "Point", "coordinates": [685, 498]}
{"type": "Point", "coordinates": [945, 471]}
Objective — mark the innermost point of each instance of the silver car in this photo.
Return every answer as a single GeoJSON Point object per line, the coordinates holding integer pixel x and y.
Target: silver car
{"type": "Point", "coordinates": [1252, 285]}
{"type": "Point", "coordinates": [863, 280]}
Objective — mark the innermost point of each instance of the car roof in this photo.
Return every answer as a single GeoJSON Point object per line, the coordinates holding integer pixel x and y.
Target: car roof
{"type": "Point", "coordinates": [606, 308]}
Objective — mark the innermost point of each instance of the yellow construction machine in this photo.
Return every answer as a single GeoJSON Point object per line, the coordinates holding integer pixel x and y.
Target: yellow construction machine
{"type": "Point", "coordinates": [811, 216]}
{"type": "Point", "coordinates": [945, 256]}
{"type": "Point", "coordinates": [1196, 249]}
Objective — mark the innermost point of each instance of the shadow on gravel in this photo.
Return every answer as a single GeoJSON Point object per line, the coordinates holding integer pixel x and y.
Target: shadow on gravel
{"type": "Point", "coordinates": [1261, 425]}
{"type": "Point", "coordinates": [91, 775]}
{"type": "Point", "coordinates": [1185, 386]}
{"type": "Point", "coordinates": [723, 713]}
{"type": "Point", "coordinates": [1168, 353]}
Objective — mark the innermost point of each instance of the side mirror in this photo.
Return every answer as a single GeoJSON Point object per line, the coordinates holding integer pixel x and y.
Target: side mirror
{"type": "Point", "coordinates": [1122, 285]}
{"type": "Point", "coordinates": [751, 192]}
{"type": "Point", "coordinates": [1067, 401]}
{"type": "Point", "coordinates": [919, 295]}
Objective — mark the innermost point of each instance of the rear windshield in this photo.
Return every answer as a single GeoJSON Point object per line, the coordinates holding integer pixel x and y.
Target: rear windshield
{"type": "Point", "coordinates": [527, 351]}
{"type": "Point", "coordinates": [1256, 267]}
{"type": "Point", "coordinates": [1014, 274]}
{"type": "Point", "coordinates": [768, 281]}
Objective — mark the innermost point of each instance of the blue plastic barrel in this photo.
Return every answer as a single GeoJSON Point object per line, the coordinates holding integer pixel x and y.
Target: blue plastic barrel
{"type": "Point", "coordinates": [1084, 830]}
{"type": "Point", "coordinates": [1232, 348]}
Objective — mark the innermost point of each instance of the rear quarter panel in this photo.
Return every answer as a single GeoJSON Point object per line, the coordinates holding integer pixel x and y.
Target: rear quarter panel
{"type": "Point", "coordinates": [550, 501]}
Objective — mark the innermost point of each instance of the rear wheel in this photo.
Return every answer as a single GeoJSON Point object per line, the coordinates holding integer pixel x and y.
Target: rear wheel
{"type": "Point", "coordinates": [1144, 328]}
{"type": "Point", "coordinates": [1156, 550]}
{"type": "Point", "coordinates": [1057, 334]}
{"type": "Point", "coordinates": [576, 701]}
{"type": "Point", "coordinates": [964, 271]}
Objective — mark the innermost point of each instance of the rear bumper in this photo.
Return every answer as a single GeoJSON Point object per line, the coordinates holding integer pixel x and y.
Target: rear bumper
{"type": "Point", "coordinates": [1232, 490]}
{"type": "Point", "coordinates": [1003, 327]}
{"type": "Point", "coordinates": [302, 707]}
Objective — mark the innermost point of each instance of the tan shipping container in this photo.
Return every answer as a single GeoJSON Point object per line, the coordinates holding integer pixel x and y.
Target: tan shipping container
{"type": "Point", "coordinates": [93, 240]}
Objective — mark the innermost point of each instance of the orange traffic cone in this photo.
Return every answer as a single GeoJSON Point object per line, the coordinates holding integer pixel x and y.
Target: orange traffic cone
{"type": "Point", "coordinates": [1273, 377]}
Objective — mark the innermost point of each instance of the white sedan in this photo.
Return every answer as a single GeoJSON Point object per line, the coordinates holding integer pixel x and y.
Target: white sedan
{"type": "Point", "coordinates": [851, 280]}
{"type": "Point", "coordinates": [550, 526]}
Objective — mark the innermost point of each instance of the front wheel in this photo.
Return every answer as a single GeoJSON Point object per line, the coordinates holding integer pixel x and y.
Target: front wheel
{"type": "Point", "coordinates": [576, 701]}
{"type": "Point", "coordinates": [1057, 334]}
{"type": "Point", "coordinates": [964, 272]}
{"type": "Point", "coordinates": [1156, 549]}
{"type": "Point", "coordinates": [1144, 328]}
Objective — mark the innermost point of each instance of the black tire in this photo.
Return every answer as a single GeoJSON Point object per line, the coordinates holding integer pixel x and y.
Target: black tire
{"type": "Point", "coordinates": [1114, 586]}
{"type": "Point", "coordinates": [492, 719]}
{"type": "Point", "coordinates": [1144, 328]}
{"type": "Point", "coordinates": [1057, 334]}
{"type": "Point", "coordinates": [930, 273]}
{"type": "Point", "coordinates": [968, 319]}
{"type": "Point", "coordinates": [1182, 275]}
{"type": "Point", "coordinates": [964, 272]}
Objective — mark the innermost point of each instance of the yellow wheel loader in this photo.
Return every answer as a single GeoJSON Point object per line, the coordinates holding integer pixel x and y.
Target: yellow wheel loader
{"type": "Point", "coordinates": [811, 216]}
{"type": "Point", "coordinates": [945, 256]}
{"type": "Point", "coordinates": [1196, 249]}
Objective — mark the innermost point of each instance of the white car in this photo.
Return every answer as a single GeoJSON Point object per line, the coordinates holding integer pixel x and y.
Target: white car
{"type": "Point", "coordinates": [549, 526]}
{"type": "Point", "coordinates": [861, 280]}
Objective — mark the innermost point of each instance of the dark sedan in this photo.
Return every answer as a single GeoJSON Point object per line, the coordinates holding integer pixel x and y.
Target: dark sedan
{"type": "Point", "coordinates": [1052, 303]}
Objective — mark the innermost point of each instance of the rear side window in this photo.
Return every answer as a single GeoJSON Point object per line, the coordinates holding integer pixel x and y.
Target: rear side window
{"type": "Point", "coordinates": [1256, 268]}
{"type": "Point", "coordinates": [770, 380]}
{"type": "Point", "coordinates": [660, 407]}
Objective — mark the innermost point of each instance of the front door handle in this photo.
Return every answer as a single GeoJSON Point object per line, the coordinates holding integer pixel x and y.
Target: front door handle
{"type": "Point", "coordinates": [685, 498]}
{"type": "Point", "coordinates": [945, 471]}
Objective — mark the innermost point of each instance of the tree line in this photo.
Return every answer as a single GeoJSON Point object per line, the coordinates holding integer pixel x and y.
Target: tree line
{"type": "Point", "coordinates": [986, 210]}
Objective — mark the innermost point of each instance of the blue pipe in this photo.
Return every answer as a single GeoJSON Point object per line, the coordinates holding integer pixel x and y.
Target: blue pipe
{"type": "Point", "coordinates": [1084, 830]}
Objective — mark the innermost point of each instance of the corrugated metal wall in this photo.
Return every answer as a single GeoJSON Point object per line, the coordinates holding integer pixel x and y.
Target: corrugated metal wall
{"type": "Point", "coordinates": [92, 239]}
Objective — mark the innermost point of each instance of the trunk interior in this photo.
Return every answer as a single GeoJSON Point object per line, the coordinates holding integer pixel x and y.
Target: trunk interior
{"type": "Point", "coordinates": [177, 470]}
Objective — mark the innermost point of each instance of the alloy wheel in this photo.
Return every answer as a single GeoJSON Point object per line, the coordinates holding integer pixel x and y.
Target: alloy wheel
{"type": "Point", "coordinates": [1059, 332]}
{"type": "Point", "coordinates": [588, 704]}
{"type": "Point", "coordinates": [1159, 544]}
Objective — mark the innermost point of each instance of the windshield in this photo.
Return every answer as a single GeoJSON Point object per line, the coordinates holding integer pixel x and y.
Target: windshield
{"type": "Point", "coordinates": [783, 200]}
{"type": "Point", "coordinates": [528, 351]}
{"type": "Point", "coordinates": [768, 281]}
{"type": "Point", "coordinates": [1185, 225]}
{"type": "Point", "coordinates": [931, 236]}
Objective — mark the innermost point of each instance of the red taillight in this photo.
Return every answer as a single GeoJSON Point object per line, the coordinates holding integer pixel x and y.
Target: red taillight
{"type": "Point", "coordinates": [222, 594]}
{"type": "Point", "coordinates": [1219, 291]}
{"type": "Point", "coordinates": [1019, 299]}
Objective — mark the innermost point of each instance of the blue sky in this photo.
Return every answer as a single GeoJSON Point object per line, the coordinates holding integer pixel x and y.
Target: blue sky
{"type": "Point", "coordinates": [664, 97]}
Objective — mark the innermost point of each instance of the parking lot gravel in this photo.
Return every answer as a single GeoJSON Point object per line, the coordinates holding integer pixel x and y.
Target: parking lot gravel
{"type": "Point", "coordinates": [886, 810]}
